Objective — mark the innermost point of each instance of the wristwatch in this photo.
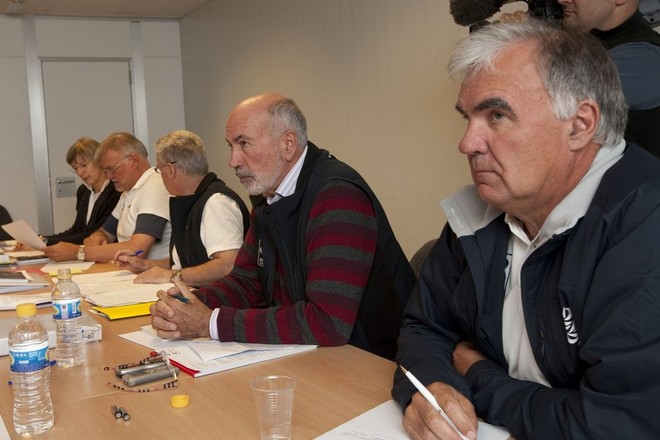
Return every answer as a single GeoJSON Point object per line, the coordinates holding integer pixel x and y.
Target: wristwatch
{"type": "Point", "coordinates": [176, 275]}
{"type": "Point", "coordinates": [81, 253]}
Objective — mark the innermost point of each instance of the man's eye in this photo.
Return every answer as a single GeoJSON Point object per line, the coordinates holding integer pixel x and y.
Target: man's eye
{"type": "Point", "coordinates": [496, 116]}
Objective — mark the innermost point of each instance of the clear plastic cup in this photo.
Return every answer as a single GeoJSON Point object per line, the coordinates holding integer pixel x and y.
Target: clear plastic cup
{"type": "Point", "coordinates": [273, 397]}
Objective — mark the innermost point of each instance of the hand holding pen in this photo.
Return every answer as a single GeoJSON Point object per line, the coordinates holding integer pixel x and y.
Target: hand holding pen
{"type": "Point", "coordinates": [179, 314]}
{"type": "Point", "coordinates": [415, 416]}
{"type": "Point", "coordinates": [130, 260]}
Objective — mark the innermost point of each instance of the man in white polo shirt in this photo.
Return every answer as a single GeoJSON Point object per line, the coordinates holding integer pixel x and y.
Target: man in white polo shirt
{"type": "Point", "coordinates": [140, 221]}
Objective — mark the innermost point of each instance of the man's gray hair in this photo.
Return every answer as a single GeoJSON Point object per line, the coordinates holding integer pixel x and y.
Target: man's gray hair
{"type": "Point", "coordinates": [573, 66]}
{"type": "Point", "coordinates": [124, 143]}
{"type": "Point", "coordinates": [186, 149]}
{"type": "Point", "coordinates": [285, 115]}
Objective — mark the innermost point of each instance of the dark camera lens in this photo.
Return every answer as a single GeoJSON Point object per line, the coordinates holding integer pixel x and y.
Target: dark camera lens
{"type": "Point", "coordinates": [549, 10]}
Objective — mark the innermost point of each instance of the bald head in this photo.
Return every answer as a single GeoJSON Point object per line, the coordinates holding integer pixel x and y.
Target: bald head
{"type": "Point", "coordinates": [267, 134]}
{"type": "Point", "coordinates": [281, 112]}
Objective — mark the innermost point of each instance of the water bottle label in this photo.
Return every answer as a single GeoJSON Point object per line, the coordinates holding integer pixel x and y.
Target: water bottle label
{"type": "Point", "coordinates": [67, 308]}
{"type": "Point", "coordinates": [30, 358]}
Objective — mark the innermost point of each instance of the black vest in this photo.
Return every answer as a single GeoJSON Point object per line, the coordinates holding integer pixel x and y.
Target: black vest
{"type": "Point", "coordinates": [280, 229]}
{"type": "Point", "coordinates": [643, 125]}
{"type": "Point", "coordinates": [186, 218]}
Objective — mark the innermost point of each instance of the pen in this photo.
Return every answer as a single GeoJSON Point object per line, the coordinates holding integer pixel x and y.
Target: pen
{"type": "Point", "coordinates": [181, 298]}
{"type": "Point", "coordinates": [429, 397]}
{"type": "Point", "coordinates": [134, 254]}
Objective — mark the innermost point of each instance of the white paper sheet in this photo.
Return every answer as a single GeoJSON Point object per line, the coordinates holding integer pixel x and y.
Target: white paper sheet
{"type": "Point", "coordinates": [75, 267]}
{"type": "Point", "coordinates": [116, 288]}
{"type": "Point", "coordinates": [384, 423]}
{"type": "Point", "coordinates": [21, 231]}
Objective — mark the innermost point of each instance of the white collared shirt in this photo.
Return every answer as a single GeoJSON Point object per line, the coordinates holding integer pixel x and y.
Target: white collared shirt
{"type": "Point", "coordinates": [93, 197]}
{"type": "Point", "coordinates": [517, 348]}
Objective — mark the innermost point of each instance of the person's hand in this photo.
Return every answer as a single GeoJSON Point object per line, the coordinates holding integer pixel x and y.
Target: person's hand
{"type": "Point", "coordinates": [22, 247]}
{"type": "Point", "coordinates": [62, 251]}
{"type": "Point", "coordinates": [175, 319]}
{"type": "Point", "coordinates": [465, 355]}
{"type": "Point", "coordinates": [422, 421]}
{"type": "Point", "coordinates": [96, 239]}
{"type": "Point", "coordinates": [126, 259]}
{"type": "Point", "coordinates": [154, 275]}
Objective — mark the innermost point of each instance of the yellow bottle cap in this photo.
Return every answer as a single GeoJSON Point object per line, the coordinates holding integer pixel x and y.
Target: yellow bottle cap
{"type": "Point", "coordinates": [26, 309]}
{"type": "Point", "coordinates": [179, 401]}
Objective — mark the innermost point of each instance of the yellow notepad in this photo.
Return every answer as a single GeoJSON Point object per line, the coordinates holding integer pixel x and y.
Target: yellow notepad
{"type": "Point", "coordinates": [128, 311]}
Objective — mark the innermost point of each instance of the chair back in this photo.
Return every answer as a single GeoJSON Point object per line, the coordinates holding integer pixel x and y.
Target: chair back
{"type": "Point", "coordinates": [418, 259]}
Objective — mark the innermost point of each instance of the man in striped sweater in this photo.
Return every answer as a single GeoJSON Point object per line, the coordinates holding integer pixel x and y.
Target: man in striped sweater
{"type": "Point", "coordinates": [320, 263]}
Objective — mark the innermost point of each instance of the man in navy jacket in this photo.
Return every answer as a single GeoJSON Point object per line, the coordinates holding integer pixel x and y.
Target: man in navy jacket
{"type": "Point", "coordinates": [538, 308]}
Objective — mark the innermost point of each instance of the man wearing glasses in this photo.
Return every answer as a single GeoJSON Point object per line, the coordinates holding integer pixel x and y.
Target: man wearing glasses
{"type": "Point", "coordinates": [140, 221]}
{"type": "Point", "coordinates": [209, 220]}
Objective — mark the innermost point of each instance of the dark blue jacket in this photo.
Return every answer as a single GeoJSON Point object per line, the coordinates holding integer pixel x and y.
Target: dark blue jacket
{"type": "Point", "coordinates": [603, 362]}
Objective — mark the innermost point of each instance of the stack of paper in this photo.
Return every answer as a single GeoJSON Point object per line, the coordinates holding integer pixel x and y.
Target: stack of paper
{"type": "Point", "coordinates": [13, 277]}
{"type": "Point", "coordinates": [34, 281]}
{"type": "Point", "coordinates": [116, 296]}
{"type": "Point", "coordinates": [200, 357]}
{"type": "Point", "coordinates": [9, 302]}
{"type": "Point", "coordinates": [28, 257]}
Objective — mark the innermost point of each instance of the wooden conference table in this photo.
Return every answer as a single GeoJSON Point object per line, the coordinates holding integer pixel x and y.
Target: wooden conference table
{"type": "Point", "coordinates": [334, 384]}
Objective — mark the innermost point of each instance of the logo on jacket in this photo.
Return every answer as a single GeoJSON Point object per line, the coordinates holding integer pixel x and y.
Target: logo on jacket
{"type": "Point", "coordinates": [569, 326]}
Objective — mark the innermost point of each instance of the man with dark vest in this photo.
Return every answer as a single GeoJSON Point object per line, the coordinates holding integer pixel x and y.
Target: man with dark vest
{"type": "Point", "coordinates": [320, 263]}
{"type": "Point", "coordinates": [208, 219]}
{"type": "Point", "coordinates": [635, 48]}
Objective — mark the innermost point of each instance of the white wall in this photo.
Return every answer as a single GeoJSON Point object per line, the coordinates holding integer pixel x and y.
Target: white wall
{"type": "Point", "coordinates": [17, 186]}
{"type": "Point", "coordinates": [155, 53]}
{"type": "Point", "coordinates": [370, 76]}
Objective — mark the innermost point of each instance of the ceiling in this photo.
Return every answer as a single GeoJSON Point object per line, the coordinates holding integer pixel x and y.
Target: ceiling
{"type": "Point", "coordinates": [102, 8]}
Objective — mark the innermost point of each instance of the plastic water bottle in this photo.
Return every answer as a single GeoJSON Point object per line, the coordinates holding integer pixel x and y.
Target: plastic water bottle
{"type": "Point", "coordinates": [30, 373]}
{"type": "Point", "coordinates": [67, 315]}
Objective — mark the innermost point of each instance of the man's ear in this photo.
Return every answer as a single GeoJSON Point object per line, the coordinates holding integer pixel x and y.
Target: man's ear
{"type": "Point", "coordinates": [289, 142]}
{"type": "Point", "coordinates": [584, 125]}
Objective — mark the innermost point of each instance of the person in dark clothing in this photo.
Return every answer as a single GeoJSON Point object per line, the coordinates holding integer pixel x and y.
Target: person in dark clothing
{"type": "Point", "coordinates": [208, 219]}
{"type": "Point", "coordinates": [635, 48]}
{"type": "Point", "coordinates": [96, 196]}
{"type": "Point", "coordinates": [320, 263]}
{"type": "Point", "coordinates": [538, 307]}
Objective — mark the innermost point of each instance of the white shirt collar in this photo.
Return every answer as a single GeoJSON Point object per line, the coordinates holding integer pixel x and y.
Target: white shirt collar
{"type": "Point", "coordinates": [288, 185]}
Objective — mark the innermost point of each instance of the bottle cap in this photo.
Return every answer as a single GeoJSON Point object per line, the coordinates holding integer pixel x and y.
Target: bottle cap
{"type": "Point", "coordinates": [63, 273]}
{"type": "Point", "coordinates": [26, 309]}
{"type": "Point", "coordinates": [180, 401]}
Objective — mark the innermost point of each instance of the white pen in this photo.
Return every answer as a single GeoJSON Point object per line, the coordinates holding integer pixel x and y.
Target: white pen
{"type": "Point", "coordinates": [428, 396]}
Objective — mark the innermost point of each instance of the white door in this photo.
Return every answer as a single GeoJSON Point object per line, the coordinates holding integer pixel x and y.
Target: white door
{"type": "Point", "coordinates": [89, 98]}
